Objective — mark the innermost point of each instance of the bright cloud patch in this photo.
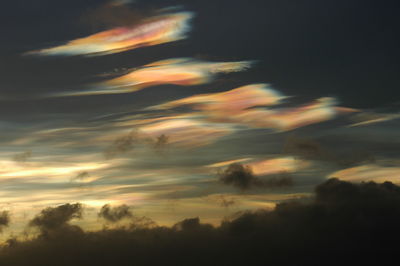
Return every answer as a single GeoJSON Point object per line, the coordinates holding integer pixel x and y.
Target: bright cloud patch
{"type": "Point", "coordinates": [153, 31]}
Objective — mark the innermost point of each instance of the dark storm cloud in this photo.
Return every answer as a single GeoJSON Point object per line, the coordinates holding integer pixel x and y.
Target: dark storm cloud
{"type": "Point", "coordinates": [115, 214]}
{"type": "Point", "coordinates": [242, 177]}
{"type": "Point", "coordinates": [341, 220]}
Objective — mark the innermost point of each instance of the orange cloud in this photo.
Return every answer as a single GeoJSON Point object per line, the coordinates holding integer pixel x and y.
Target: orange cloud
{"type": "Point", "coordinates": [152, 31]}
{"type": "Point", "coordinates": [277, 165]}
{"type": "Point", "coordinates": [269, 166]}
{"type": "Point", "coordinates": [181, 71]}
{"type": "Point", "coordinates": [230, 101]}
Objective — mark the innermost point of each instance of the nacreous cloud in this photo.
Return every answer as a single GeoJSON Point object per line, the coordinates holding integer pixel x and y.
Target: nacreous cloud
{"type": "Point", "coordinates": [230, 101]}
{"type": "Point", "coordinates": [235, 107]}
{"type": "Point", "coordinates": [369, 172]}
{"type": "Point", "coordinates": [153, 31]}
{"type": "Point", "coordinates": [186, 132]}
{"type": "Point", "coordinates": [180, 71]}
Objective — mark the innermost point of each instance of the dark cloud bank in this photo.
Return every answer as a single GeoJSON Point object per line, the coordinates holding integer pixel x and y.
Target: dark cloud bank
{"type": "Point", "coordinates": [342, 224]}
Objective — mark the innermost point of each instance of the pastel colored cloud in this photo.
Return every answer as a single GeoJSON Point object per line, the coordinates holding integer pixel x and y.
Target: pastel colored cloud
{"type": "Point", "coordinates": [369, 172]}
{"type": "Point", "coordinates": [181, 71]}
{"type": "Point", "coordinates": [186, 132]}
{"type": "Point", "coordinates": [236, 107]}
{"type": "Point", "coordinates": [152, 31]}
{"type": "Point", "coordinates": [230, 101]}
{"type": "Point", "coordinates": [265, 167]}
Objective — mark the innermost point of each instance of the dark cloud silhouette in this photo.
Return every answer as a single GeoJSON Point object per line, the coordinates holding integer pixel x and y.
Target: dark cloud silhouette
{"type": "Point", "coordinates": [115, 214]}
{"type": "Point", "coordinates": [53, 221]}
{"type": "Point", "coordinates": [80, 176]}
{"type": "Point", "coordinates": [191, 224]}
{"type": "Point", "coordinates": [4, 220]}
{"type": "Point", "coordinates": [242, 177]}
{"type": "Point", "coordinates": [342, 224]}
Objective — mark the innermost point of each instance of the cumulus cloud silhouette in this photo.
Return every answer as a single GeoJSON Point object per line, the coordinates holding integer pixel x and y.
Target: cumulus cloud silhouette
{"type": "Point", "coordinates": [115, 214]}
{"type": "Point", "coordinates": [242, 177]}
{"type": "Point", "coordinates": [53, 221]}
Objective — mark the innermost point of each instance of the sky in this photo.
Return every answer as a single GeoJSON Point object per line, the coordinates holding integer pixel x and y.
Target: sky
{"type": "Point", "coordinates": [192, 108]}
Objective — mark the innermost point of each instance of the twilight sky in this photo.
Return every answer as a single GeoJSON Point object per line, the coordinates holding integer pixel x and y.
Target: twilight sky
{"type": "Point", "coordinates": [149, 103]}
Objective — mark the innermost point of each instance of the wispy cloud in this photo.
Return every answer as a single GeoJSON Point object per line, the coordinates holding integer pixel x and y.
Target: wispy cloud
{"type": "Point", "coordinates": [230, 101]}
{"type": "Point", "coordinates": [180, 71]}
{"type": "Point", "coordinates": [152, 31]}
{"type": "Point", "coordinates": [236, 107]}
{"type": "Point", "coordinates": [369, 172]}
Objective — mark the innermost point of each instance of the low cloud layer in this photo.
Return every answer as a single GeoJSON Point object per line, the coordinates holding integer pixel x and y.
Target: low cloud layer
{"type": "Point", "coordinates": [341, 220]}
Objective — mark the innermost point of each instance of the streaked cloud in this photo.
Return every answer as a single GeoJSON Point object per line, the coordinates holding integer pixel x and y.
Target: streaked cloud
{"type": "Point", "coordinates": [230, 101]}
{"type": "Point", "coordinates": [369, 118]}
{"type": "Point", "coordinates": [180, 71]}
{"type": "Point", "coordinates": [236, 107]}
{"type": "Point", "coordinates": [269, 166]}
{"type": "Point", "coordinates": [152, 31]}
{"type": "Point", "coordinates": [186, 132]}
{"type": "Point", "coordinates": [277, 166]}
{"type": "Point", "coordinates": [369, 172]}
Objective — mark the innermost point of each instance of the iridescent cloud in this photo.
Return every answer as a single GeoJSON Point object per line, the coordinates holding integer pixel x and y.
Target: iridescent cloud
{"type": "Point", "coordinates": [230, 101]}
{"type": "Point", "coordinates": [185, 132]}
{"type": "Point", "coordinates": [277, 166]}
{"type": "Point", "coordinates": [364, 119]}
{"type": "Point", "coordinates": [369, 172]}
{"type": "Point", "coordinates": [321, 110]}
{"type": "Point", "coordinates": [268, 166]}
{"type": "Point", "coordinates": [235, 106]}
{"type": "Point", "coordinates": [180, 71]}
{"type": "Point", "coordinates": [153, 31]}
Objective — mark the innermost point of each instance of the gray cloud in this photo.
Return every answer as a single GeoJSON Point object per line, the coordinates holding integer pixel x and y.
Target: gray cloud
{"type": "Point", "coordinates": [115, 214]}
{"type": "Point", "coordinates": [242, 177]}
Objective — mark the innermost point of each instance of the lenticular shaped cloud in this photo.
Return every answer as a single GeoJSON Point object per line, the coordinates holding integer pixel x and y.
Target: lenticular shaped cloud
{"type": "Point", "coordinates": [234, 100]}
{"type": "Point", "coordinates": [180, 71]}
{"type": "Point", "coordinates": [235, 107]}
{"type": "Point", "coordinates": [369, 172]}
{"type": "Point", "coordinates": [153, 31]}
